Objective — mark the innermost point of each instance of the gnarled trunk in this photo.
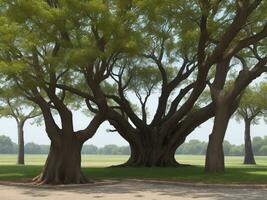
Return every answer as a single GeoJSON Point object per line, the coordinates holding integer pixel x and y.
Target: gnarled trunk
{"type": "Point", "coordinates": [249, 156]}
{"type": "Point", "coordinates": [151, 156]}
{"type": "Point", "coordinates": [20, 159]}
{"type": "Point", "coordinates": [63, 164]}
{"type": "Point", "coordinates": [157, 146]}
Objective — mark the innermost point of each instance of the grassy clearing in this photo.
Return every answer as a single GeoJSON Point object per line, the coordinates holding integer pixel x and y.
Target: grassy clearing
{"type": "Point", "coordinates": [94, 166]}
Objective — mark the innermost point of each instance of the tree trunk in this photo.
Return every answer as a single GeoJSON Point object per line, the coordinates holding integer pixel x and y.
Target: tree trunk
{"type": "Point", "coordinates": [63, 164]}
{"type": "Point", "coordinates": [249, 156]}
{"type": "Point", "coordinates": [149, 156]}
{"type": "Point", "coordinates": [215, 154]}
{"type": "Point", "coordinates": [20, 159]}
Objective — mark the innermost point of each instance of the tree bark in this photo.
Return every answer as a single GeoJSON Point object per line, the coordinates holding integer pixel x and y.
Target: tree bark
{"type": "Point", "coordinates": [63, 164]}
{"type": "Point", "coordinates": [215, 154]}
{"type": "Point", "coordinates": [151, 156]}
{"type": "Point", "coordinates": [20, 158]}
{"type": "Point", "coordinates": [249, 155]}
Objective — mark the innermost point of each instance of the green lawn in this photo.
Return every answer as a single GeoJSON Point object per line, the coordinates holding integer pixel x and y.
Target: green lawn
{"type": "Point", "coordinates": [94, 166]}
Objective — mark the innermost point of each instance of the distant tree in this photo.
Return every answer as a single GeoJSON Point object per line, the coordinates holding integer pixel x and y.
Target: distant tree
{"type": "Point", "coordinates": [124, 150]}
{"type": "Point", "coordinates": [227, 147]}
{"type": "Point", "coordinates": [18, 108]}
{"type": "Point", "coordinates": [6, 145]}
{"type": "Point", "coordinates": [252, 107]}
{"type": "Point", "coordinates": [235, 151]}
{"type": "Point", "coordinates": [31, 148]}
{"type": "Point", "coordinates": [196, 147]}
{"type": "Point", "coordinates": [263, 150]}
{"type": "Point", "coordinates": [45, 149]}
{"type": "Point", "coordinates": [193, 147]}
{"type": "Point", "coordinates": [257, 143]}
{"type": "Point", "coordinates": [188, 148]}
{"type": "Point", "coordinates": [15, 148]}
{"type": "Point", "coordinates": [110, 149]}
{"type": "Point", "coordinates": [89, 149]}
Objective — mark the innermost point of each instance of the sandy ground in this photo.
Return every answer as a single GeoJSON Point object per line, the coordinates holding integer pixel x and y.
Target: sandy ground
{"type": "Point", "coordinates": [130, 190]}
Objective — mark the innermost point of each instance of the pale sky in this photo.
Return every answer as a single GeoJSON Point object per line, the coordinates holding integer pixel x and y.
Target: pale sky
{"type": "Point", "coordinates": [37, 134]}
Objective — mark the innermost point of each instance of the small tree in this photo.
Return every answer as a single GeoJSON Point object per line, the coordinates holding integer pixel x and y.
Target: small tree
{"type": "Point", "coordinates": [21, 110]}
{"type": "Point", "coordinates": [252, 107]}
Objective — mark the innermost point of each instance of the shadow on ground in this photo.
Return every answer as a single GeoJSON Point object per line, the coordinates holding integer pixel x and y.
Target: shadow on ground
{"type": "Point", "coordinates": [139, 190]}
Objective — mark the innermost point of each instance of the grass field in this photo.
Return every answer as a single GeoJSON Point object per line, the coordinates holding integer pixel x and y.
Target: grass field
{"type": "Point", "coordinates": [95, 167]}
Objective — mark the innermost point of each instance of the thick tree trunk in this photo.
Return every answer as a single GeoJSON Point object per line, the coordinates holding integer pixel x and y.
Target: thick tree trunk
{"type": "Point", "coordinates": [215, 154]}
{"type": "Point", "coordinates": [149, 156]}
{"type": "Point", "coordinates": [249, 156]}
{"type": "Point", "coordinates": [20, 159]}
{"type": "Point", "coordinates": [63, 164]}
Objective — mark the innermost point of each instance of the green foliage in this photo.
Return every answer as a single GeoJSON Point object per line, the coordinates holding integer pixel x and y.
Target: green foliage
{"type": "Point", "coordinates": [196, 147]}
{"type": "Point", "coordinates": [193, 147]}
{"type": "Point", "coordinates": [144, 79]}
{"type": "Point", "coordinates": [17, 107]}
{"type": "Point", "coordinates": [31, 148]}
{"type": "Point", "coordinates": [89, 149]}
{"type": "Point", "coordinates": [253, 104]}
{"type": "Point", "coordinates": [6, 145]}
{"type": "Point", "coordinates": [259, 145]}
{"type": "Point", "coordinates": [38, 38]}
{"type": "Point", "coordinates": [114, 150]}
{"type": "Point", "coordinates": [263, 150]}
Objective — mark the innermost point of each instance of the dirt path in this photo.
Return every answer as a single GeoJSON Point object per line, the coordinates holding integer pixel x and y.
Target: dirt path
{"type": "Point", "coordinates": [130, 190]}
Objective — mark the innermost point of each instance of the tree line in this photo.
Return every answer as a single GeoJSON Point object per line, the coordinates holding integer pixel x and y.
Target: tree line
{"type": "Point", "coordinates": [9, 147]}
{"type": "Point", "coordinates": [193, 147]}
{"type": "Point", "coordinates": [196, 147]}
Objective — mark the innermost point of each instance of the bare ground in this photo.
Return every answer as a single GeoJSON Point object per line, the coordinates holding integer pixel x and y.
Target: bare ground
{"type": "Point", "coordinates": [131, 190]}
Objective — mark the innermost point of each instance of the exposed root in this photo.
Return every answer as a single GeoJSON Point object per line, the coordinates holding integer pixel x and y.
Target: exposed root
{"type": "Point", "coordinates": [41, 180]}
{"type": "Point", "coordinates": [160, 164]}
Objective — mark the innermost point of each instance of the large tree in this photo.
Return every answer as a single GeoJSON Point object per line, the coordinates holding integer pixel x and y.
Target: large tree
{"type": "Point", "coordinates": [18, 108]}
{"type": "Point", "coordinates": [33, 41]}
{"type": "Point", "coordinates": [251, 109]}
{"type": "Point", "coordinates": [54, 49]}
